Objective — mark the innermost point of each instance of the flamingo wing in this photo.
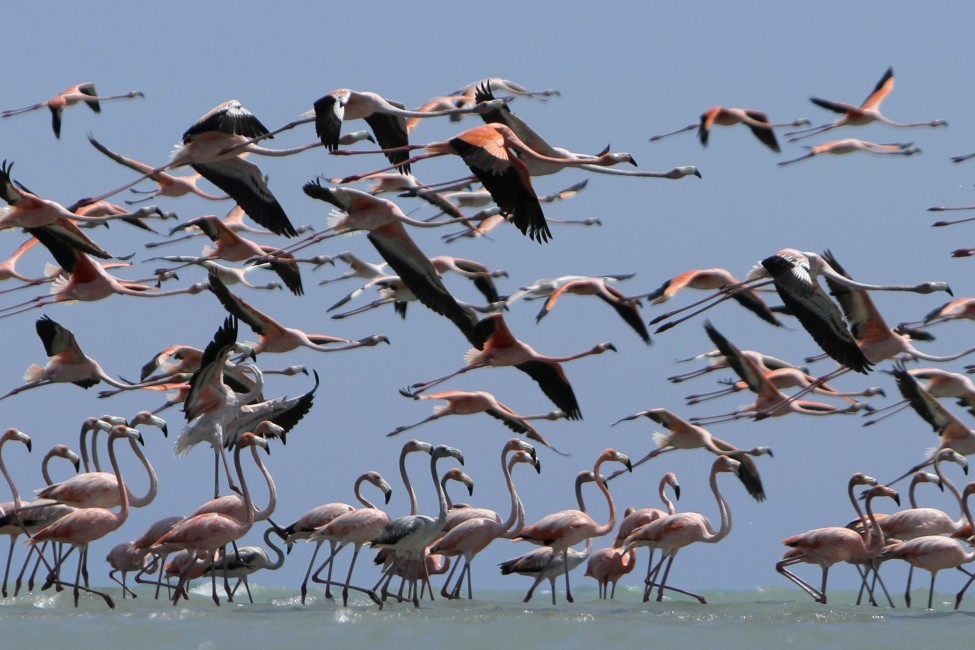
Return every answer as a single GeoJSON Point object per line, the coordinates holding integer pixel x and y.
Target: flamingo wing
{"type": "Point", "coordinates": [244, 183]}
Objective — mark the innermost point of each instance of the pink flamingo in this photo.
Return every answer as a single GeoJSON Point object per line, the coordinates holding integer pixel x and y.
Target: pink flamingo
{"type": "Point", "coordinates": [566, 528]}
{"type": "Point", "coordinates": [82, 92]}
{"type": "Point", "coordinates": [354, 527]}
{"type": "Point", "coordinates": [469, 538]}
{"type": "Point", "coordinates": [501, 348]}
{"type": "Point", "coordinates": [828, 546]}
{"type": "Point", "coordinates": [672, 533]}
{"type": "Point", "coordinates": [83, 526]}
{"type": "Point", "coordinates": [13, 529]}
{"type": "Point", "coordinates": [755, 120]}
{"type": "Point", "coordinates": [627, 307]}
{"type": "Point", "coordinates": [607, 566]}
{"type": "Point", "coordinates": [205, 533]}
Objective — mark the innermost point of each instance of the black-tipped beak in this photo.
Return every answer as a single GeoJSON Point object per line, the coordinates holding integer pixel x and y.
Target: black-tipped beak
{"type": "Point", "coordinates": [677, 492]}
{"type": "Point", "coordinates": [538, 467]}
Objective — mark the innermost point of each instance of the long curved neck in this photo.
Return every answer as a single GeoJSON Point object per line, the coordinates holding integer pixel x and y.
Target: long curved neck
{"type": "Point", "coordinates": [414, 507]}
{"type": "Point", "coordinates": [45, 472]}
{"type": "Point", "coordinates": [860, 515]}
{"type": "Point", "coordinates": [725, 527]}
{"type": "Point", "coordinates": [951, 487]}
{"type": "Point", "coordinates": [6, 475]}
{"type": "Point", "coordinates": [85, 462]}
{"type": "Point", "coordinates": [671, 508]}
{"type": "Point", "coordinates": [123, 492]}
{"type": "Point", "coordinates": [876, 541]}
{"type": "Point", "coordinates": [245, 491]}
{"type": "Point", "coordinates": [441, 495]}
{"type": "Point", "coordinates": [278, 553]}
{"type": "Point", "coordinates": [602, 530]}
{"type": "Point", "coordinates": [358, 495]}
{"type": "Point", "coordinates": [141, 502]}
{"type": "Point", "coordinates": [272, 492]}
{"type": "Point", "coordinates": [512, 519]}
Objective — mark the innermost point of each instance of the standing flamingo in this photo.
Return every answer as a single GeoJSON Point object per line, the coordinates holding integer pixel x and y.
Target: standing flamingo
{"type": "Point", "coordinates": [833, 544]}
{"type": "Point", "coordinates": [205, 533]}
{"type": "Point", "coordinates": [12, 529]}
{"type": "Point", "coordinates": [470, 537]}
{"type": "Point", "coordinates": [566, 528]}
{"type": "Point", "coordinates": [86, 525]}
{"type": "Point", "coordinates": [409, 536]}
{"type": "Point", "coordinates": [245, 561]}
{"type": "Point", "coordinates": [82, 92]}
{"type": "Point", "coordinates": [672, 533]}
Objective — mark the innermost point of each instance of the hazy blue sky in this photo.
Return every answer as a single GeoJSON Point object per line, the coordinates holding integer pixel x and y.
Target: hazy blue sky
{"type": "Point", "coordinates": [626, 71]}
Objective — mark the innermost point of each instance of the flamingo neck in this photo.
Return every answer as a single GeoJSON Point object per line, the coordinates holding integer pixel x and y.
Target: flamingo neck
{"type": "Point", "coordinates": [123, 512]}
{"type": "Point", "coordinates": [6, 475]}
{"type": "Point", "coordinates": [951, 488]}
{"type": "Point", "coordinates": [141, 502]}
{"type": "Point", "coordinates": [272, 492]}
{"type": "Point", "coordinates": [516, 506]}
{"type": "Point", "coordinates": [723, 509]}
{"type": "Point", "coordinates": [441, 495]}
{"type": "Point", "coordinates": [245, 491]}
{"type": "Point", "coordinates": [671, 508]}
{"type": "Point", "coordinates": [414, 507]}
{"type": "Point", "coordinates": [278, 552]}
{"type": "Point", "coordinates": [876, 542]}
{"type": "Point", "coordinates": [602, 530]}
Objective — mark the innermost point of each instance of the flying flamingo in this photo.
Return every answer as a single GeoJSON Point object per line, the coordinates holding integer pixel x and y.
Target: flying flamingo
{"type": "Point", "coordinates": [409, 536]}
{"type": "Point", "coordinates": [627, 307]}
{"type": "Point", "coordinates": [719, 362]}
{"type": "Point", "coordinates": [672, 533]}
{"type": "Point", "coordinates": [536, 166]}
{"type": "Point", "coordinates": [169, 185]}
{"type": "Point", "coordinates": [470, 537]}
{"type": "Point", "coordinates": [503, 349]}
{"type": "Point", "coordinates": [276, 337]}
{"type": "Point", "coordinates": [488, 150]}
{"type": "Point", "coordinates": [354, 527]}
{"type": "Point", "coordinates": [755, 120]}
{"type": "Point", "coordinates": [470, 402]}
{"type": "Point", "coordinates": [850, 145]}
{"type": "Point", "coordinates": [957, 309]}
{"type": "Point", "coordinates": [13, 529]}
{"type": "Point", "coordinates": [385, 222]}
{"type": "Point", "coordinates": [711, 279]}
{"type": "Point", "coordinates": [83, 92]}
{"type": "Point", "coordinates": [939, 383]}
{"type": "Point", "coordinates": [206, 533]}
{"type": "Point", "coordinates": [795, 276]}
{"type": "Point", "coordinates": [566, 528]}
{"type": "Point", "coordinates": [545, 563]}
{"type": "Point", "coordinates": [684, 435]}
{"type": "Point", "coordinates": [86, 525]}
{"type": "Point", "coordinates": [828, 546]}
{"type": "Point", "coordinates": [205, 147]}
{"type": "Point", "coordinates": [358, 269]}
{"type": "Point", "coordinates": [465, 97]}
{"type": "Point", "coordinates": [952, 432]}
{"type": "Point", "coordinates": [865, 113]}
{"type": "Point", "coordinates": [8, 267]}
{"type": "Point", "coordinates": [67, 362]}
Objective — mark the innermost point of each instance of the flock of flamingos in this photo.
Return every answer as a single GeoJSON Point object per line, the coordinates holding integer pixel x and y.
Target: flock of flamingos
{"type": "Point", "coordinates": [220, 387]}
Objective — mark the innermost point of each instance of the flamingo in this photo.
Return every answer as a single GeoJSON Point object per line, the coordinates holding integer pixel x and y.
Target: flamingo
{"type": "Point", "coordinates": [12, 529]}
{"type": "Point", "coordinates": [384, 220]}
{"type": "Point", "coordinates": [607, 566]}
{"type": "Point", "coordinates": [311, 525]}
{"type": "Point", "coordinates": [828, 546]}
{"type": "Point", "coordinates": [142, 543]}
{"type": "Point", "coordinates": [850, 145]}
{"type": "Point", "coordinates": [794, 274]}
{"type": "Point", "coordinates": [545, 287]}
{"type": "Point", "coordinates": [566, 528]}
{"type": "Point", "coordinates": [957, 309]}
{"type": "Point", "coordinates": [470, 402]}
{"type": "Point", "coordinates": [124, 558]}
{"type": "Point", "coordinates": [939, 383]}
{"type": "Point", "coordinates": [503, 349]}
{"type": "Point", "coordinates": [205, 533]}
{"type": "Point", "coordinates": [952, 432]}
{"type": "Point", "coordinates": [684, 435]}
{"type": "Point", "coordinates": [358, 269]}
{"type": "Point", "coordinates": [719, 362]}
{"type": "Point", "coordinates": [545, 563]}
{"type": "Point", "coordinates": [8, 268]}
{"type": "Point", "coordinates": [711, 279]}
{"type": "Point", "coordinates": [81, 92]}
{"type": "Point", "coordinates": [488, 152]}
{"type": "Point", "coordinates": [932, 553]}
{"type": "Point", "coordinates": [409, 536]}
{"type": "Point", "coordinates": [276, 337]}
{"type": "Point", "coordinates": [354, 527]}
{"type": "Point", "coordinates": [755, 120]}
{"type": "Point", "coordinates": [626, 307]}
{"type": "Point", "coordinates": [205, 147]}
{"type": "Point", "coordinates": [537, 167]}
{"type": "Point", "coordinates": [865, 113]}
{"type": "Point", "coordinates": [465, 97]}
{"type": "Point", "coordinates": [674, 532]}
{"type": "Point", "coordinates": [472, 536]}
{"type": "Point", "coordinates": [245, 561]}
{"type": "Point", "coordinates": [83, 526]}
{"type": "Point", "coordinates": [59, 451]}
{"type": "Point", "coordinates": [67, 363]}
{"type": "Point", "coordinates": [169, 185]}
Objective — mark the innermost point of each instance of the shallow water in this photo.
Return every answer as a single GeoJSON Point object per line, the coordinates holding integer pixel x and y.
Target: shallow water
{"type": "Point", "coordinates": [770, 617]}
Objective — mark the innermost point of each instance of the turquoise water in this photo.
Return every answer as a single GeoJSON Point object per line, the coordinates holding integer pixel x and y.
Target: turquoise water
{"type": "Point", "coordinates": [769, 617]}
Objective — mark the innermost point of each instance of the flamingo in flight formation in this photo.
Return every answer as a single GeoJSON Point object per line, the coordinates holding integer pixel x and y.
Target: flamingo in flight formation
{"type": "Point", "coordinates": [754, 119]}
{"type": "Point", "coordinates": [865, 113]}
{"type": "Point", "coordinates": [850, 145]}
{"type": "Point", "coordinates": [83, 92]}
